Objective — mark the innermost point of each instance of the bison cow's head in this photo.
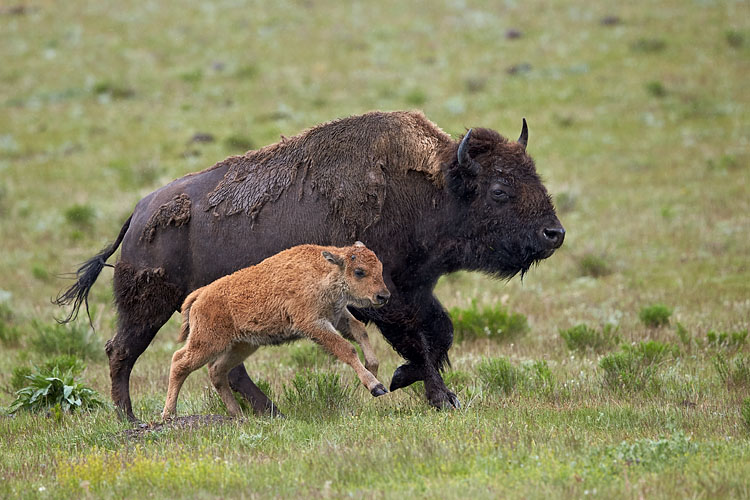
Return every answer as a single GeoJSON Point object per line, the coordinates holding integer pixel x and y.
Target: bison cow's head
{"type": "Point", "coordinates": [508, 219]}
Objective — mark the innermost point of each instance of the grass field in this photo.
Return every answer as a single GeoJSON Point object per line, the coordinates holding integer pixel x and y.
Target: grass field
{"type": "Point", "coordinates": [639, 124]}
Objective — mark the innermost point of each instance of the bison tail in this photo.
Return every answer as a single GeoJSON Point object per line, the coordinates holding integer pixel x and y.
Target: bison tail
{"type": "Point", "coordinates": [86, 275]}
{"type": "Point", "coordinates": [185, 328]}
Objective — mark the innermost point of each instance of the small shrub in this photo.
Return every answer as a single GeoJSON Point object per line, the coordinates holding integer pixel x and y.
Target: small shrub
{"type": "Point", "coordinates": [194, 76]}
{"type": "Point", "coordinates": [735, 375]}
{"type": "Point", "coordinates": [10, 333]}
{"type": "Point", "coordinates": [238, 143]}
{"type": "Point", "coordinates": [456, 378]}
{"type": "Point", "coordinates": [265, 386]}
{"type": "Point", "coordinates": [566, 201]}
{"type": "Point", "coordinates": [308, 355]}
{"type": "Point", "coordinates": [593, 265]}
{"type": "Point", "coordinates": [64, 363]}
{"type": "Point", "coordinates": [247, 71]}
{"type": "Point", "coordinates": [70, 338]}
{"type": "Point", "coordinates": [498, 375]}
{"type": "Point", "coordinates": [656, 88]}
{"type": "Point", "coordinates": [113, 90]}
{"type": "Point", "coordinates": [318, 393]}
{"type": "Point", "coordinates": [493, 323]}
{"type": "Point", "coordinates": [634, 367]}
{"type": "Point", "coordinates": [655, 316]}
{"type": "Point", "coordinates": [537, 377]}
{"type": "Point", "coordinates": [581, 337]}
{"type": "Point", "coordinates": [655, 453]}
{"type": "Point", "coordinates": [734, 38]}
{"type": "Point", "coordinates": [47, 389]}
{"type": "Point", "coordinates": [18, 377]}
{"type": "Point", "coordinates": [726, 340]}
{"type": "Point", "coordinates": [416, 97]}
{"type": "Point", "coordinates": [745, 412]}
{"type": "Point", "coordinates": [80, 215]}
{"type": "Point", "coordinates": [39, 272]}
{"type": "Point", "coordinates": [648, 45]}
{"type": "Point", "coordinates": [684, 335]}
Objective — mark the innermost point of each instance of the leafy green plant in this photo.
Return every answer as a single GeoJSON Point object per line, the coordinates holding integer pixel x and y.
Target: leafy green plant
{"type": "Point", "coordinates": [726, 340]}
{"type": "Point", "coordinates": [655, 315]}
{"type": "Point", "coordinates": [71, 338]}
{"type": "Point", "coordinates": [318, 393]}
{"type": "Point", "coordinates": [46, 389]}
{"type": "Point", "coordinates": [499, 375]}
{"type": "Point", "coordinates": [494, 323]}
{"type": "Point", "coordinates": [582, 337]}
{"type": "Point", "coordinates": [736, 374]}
{"type": "Point", "coordinates": [634, 366]}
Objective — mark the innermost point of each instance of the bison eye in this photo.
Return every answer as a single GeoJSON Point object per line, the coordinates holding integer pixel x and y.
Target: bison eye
{"type": "Point", "coordinates": [499, 194]}
{"type": "Point", "coordinates": [359, 273]}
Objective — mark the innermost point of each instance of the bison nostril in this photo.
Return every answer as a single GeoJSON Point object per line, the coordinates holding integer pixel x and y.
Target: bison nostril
{"type": "Point", "coordinates": [555, 235]}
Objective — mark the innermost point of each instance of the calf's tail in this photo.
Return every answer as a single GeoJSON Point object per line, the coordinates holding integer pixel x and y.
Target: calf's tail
{"type": "Point", "coordinates": [185, 328]}
{"type": "Point", "coordinates": [85, 277]}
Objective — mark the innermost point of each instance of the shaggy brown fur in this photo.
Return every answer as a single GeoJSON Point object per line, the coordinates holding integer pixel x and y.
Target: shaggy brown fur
{"type": "Point", "coordinates": [324, 153]}
{"type": "Point", "coordinates": [176, 212]}
{"type": "Point", "coordinates": [300, 292]}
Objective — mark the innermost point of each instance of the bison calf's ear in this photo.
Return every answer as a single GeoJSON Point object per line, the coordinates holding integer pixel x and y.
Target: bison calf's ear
{"type": "Point", "coordinates": [333, 259]}
{"type": "Point", "coordinates": [359, 244]}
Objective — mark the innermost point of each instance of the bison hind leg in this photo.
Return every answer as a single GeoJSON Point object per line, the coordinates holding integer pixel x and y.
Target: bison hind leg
{"type": "Point", "coordinates": [219, 370]}
{"type": "Point", "coordinates": [145, 301]}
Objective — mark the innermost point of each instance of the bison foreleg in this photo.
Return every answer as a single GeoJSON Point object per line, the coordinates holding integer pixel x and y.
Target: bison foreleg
{"type": "Point", "coordinates": [421, 331]}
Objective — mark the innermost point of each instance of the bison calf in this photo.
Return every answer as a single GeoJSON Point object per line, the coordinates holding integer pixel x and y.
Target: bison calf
{"type": "Point", "coordinates": [300, 292]}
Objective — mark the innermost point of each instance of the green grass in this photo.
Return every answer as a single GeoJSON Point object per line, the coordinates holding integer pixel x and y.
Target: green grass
{"type": "Point", "coordinates": [490, 322]}
{"type": "Point", "coordinates": [638, 123]}
{"type": "Point", "coordinates": [582, 337]}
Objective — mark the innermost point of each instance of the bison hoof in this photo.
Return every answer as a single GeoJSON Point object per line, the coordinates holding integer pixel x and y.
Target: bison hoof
{"type": "Point", "coordinates": [378, 390]}
{"type": "Point", "coordinates": [402, 377]}
{"type": "Point", "coordinates": [444, 401]}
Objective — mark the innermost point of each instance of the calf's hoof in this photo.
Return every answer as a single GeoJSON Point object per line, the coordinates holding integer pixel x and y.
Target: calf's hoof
{"type": "Point", "coordinates": [378, 390]}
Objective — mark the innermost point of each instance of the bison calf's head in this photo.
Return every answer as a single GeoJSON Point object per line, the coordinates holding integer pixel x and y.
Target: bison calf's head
{"type": "Point", "coordinates": [362, 275]}
{"type": "Point", "coordinates": [509, 221]}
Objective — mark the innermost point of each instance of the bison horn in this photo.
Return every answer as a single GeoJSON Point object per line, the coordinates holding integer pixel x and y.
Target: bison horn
{"type": "Point", "coordinates": [463, 150]}
{"type": "Point", "coordinates": [523, 140]}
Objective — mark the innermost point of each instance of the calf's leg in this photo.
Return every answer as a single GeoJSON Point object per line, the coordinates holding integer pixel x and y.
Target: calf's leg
{"type": "Point", "coordinates": [353, 329]}
{"type": "Point", "coordinates": [184, 362]}
{"type": "Point", "coordinates": [324, 334]}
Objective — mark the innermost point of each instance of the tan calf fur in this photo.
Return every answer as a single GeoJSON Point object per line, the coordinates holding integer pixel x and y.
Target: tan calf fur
{"type": "Point", "coordinates": [300, 292]}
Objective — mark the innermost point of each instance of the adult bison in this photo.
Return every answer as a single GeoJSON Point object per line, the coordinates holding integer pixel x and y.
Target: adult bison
{"type": "Point", "coordinates": [426, 204]}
